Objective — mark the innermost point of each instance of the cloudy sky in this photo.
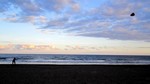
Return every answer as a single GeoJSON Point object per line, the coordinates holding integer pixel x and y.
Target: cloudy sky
{"type": "Point", "coordinates": [75, 26]}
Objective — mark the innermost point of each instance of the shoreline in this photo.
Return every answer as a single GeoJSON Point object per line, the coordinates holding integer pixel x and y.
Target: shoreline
{"type": "Point", "coordinates": [78, 64]}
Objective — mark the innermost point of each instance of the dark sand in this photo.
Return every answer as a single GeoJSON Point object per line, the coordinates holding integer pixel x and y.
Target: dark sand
{"type": "Point", "coordinates": [74, 74]}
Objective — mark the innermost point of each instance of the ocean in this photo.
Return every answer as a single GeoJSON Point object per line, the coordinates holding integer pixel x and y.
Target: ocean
{"type": "Point", "coordinates": [75, 59]}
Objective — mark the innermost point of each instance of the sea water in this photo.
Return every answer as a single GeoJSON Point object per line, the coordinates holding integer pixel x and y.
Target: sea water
{"type": "Point", "coordinates": [75, 59]}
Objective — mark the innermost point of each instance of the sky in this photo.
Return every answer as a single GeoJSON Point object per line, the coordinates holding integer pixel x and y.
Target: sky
{"type": "Point", "coordinates": [75, 27]}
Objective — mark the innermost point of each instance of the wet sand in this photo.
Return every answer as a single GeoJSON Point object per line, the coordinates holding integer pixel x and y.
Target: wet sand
{"type": "Point", "coordinates": [74, 74]}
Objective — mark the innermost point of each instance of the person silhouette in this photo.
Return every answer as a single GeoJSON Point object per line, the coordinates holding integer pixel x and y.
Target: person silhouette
{"type": "Point", "coordinates": [14, 61]}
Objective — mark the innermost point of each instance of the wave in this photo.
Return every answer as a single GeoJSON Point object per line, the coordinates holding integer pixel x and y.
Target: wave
{"type": "Point", "coordinates": [75, 59]}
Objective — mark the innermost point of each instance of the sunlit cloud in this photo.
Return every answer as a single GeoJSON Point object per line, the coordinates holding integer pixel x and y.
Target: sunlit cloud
{"type": "Point", "coordinates": [27, 47]}
{"type": "Point", "coordinates": [2, 47]}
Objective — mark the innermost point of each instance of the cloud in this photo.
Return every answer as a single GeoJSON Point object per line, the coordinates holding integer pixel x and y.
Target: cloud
{"type": "Point", "coordinates": [76, 7]}
{"type": "Point", "coordinates": [2, 47]}
{"type": "Point", "coordinates": [30, 10]}
{"type": "Point", "coordinates": [34, 47]}
{"type": "Point", "coordinates": [83, 48]}
{"type": "Point", "coordinates": [56, 23]}
{"type": "Point", "coordinates": [27, 7]}
{"type": "Point", "coordinates": [27, 47]}
{"type": "Point", "coordinates": [109, 20]}
{"type": "Point", "coordinates": [144, 47]}
{"type": "Point", "coordinates": [24, 19]}
{"type": "Point", "coordinates": [32, 7]}
{"type": "Point", "coordinates": [60, 4]}
{"type": "Point", "coordinates": [77, 47]}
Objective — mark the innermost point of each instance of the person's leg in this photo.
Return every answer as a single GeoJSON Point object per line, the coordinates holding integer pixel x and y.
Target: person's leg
{"type": "Point", "coordinates": [13, 62]}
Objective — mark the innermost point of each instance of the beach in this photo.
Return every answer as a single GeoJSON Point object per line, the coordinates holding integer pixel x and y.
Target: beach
{"type": "Point", "coordinates": [74, 74]}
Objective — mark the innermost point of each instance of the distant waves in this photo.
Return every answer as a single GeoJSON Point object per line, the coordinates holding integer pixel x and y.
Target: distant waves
{"type": "Point", "coordinates": [74, 59]}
